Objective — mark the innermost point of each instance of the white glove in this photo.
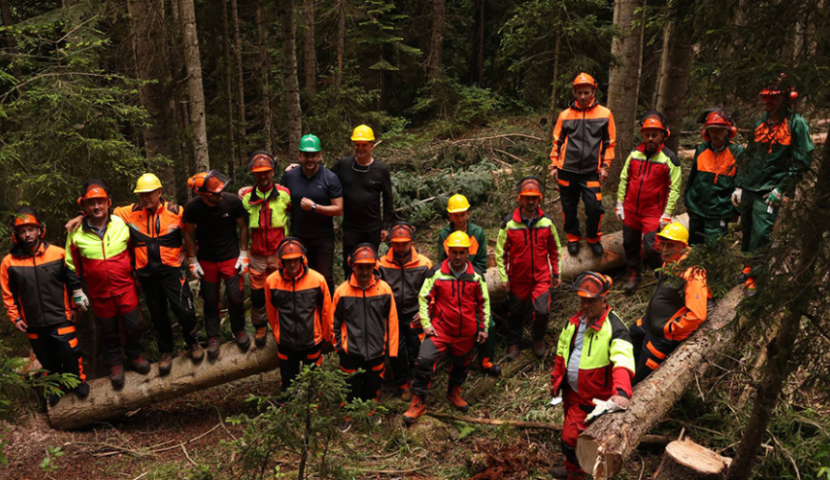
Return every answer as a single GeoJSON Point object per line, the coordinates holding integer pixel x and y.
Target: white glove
{"type": "Point", "coordinates": [736, 197]}
{"type": "Point", "coordinates": [242, 262]}
{"type": "Point", "coordinates": [80, 299]}
{"type": "Point", "coordinates": [620, 211]}
{"type": "Point", "coordinates": [665, 219]}
{"type": "Point", "coordinates": [195, 268]}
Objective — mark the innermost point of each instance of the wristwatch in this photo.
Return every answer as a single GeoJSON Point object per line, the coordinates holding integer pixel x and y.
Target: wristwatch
{"type": "Point", "coordinates": [314, 207]}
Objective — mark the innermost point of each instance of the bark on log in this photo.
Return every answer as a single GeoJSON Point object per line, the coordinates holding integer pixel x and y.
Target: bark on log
{"type": "Point", "coordinates": [686, 460]}
{"type": "Point", "coordinates": [142, 390]}
{"type": "Point", "coordinates": [603, 446]}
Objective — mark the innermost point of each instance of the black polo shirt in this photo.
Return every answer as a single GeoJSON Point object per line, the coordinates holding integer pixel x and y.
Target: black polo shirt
{"type": "Point", "coordinates": [320, 188]}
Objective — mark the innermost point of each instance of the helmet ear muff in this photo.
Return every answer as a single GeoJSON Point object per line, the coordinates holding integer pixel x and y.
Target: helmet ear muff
{"type": "Point", "coordinates": [705, 134]}
{"type": "Point", "coordinates": [733, 132]}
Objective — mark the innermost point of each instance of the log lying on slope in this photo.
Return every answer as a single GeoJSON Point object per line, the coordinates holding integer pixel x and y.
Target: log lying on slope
{"type": "Point", "coordinates": [603, 446]}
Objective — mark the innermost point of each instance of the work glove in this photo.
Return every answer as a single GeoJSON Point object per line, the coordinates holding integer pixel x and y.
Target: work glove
{"type": "Point", "coordinates": [620, 211]}
{"type": "Point", "coordinates": [80, 299]}
{"type": "Point", "coordinates": [774, 197]}
{"type": "Point", "coordinates": [665, 219]}
{"type": "Point", "coordinates": [242, 262]}
{"type": "Point", "coordinates": [736, 197]}
{"type": "Point", "coordinates": [195, 268]}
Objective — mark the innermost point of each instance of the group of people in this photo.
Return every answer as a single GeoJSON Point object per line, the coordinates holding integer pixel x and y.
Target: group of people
{"type": "Point", "coordinates": [400, 306]}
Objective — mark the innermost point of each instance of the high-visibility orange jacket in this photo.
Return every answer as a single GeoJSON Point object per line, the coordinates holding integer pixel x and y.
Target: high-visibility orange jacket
{"type": "Point", "coordinates": [583, 140]}
{"type": "Point", "coordinates": [156, 236]}
{"type": "Point", "coordinates": [299, 309]}
{"type": "Point", "coordinates": [678, 305]}
{"type": "Point", "coordinates": [365, 321]}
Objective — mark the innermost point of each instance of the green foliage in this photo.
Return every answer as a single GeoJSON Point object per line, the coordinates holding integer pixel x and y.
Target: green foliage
{"type": "Point", "coordinates": [48, 464]}
{"type": "Point", "coordinates": [456, 106]}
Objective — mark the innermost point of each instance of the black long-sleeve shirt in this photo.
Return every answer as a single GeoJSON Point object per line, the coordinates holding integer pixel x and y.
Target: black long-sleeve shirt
{"type": "Point", "coordinates": [363, 190]}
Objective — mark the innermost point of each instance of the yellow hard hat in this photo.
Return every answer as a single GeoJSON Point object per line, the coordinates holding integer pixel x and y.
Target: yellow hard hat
{"type": "Point", "coordinates": [147, 183]}
{"type": "Point", "coordinates": [675, 231]}
{"type": "Point", "coordinates": [458, 203]}
{"type": "Point", "coordinates": [458, 239]}
{"type": "Point", "coordinates": [363, 133]}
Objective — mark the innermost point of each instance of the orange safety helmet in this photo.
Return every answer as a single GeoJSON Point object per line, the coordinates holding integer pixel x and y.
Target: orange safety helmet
{"type": "Point", "coordinates": [592, 285]}
{"type": "Point", "coordinates": [94, 189]}
{"type": "Point", "coordinates": [195, 182]}
{"type": "Point", "coordinates": [26, 216]}
{"type": "Point", "coordinates": [401, 232]}
{"type": "Point", "coordinates": [290, 247]}
{"type": "Point", "coordinates": [209, 183]}
{"type": "Point", "coordinates": [716, 117]}
{"type": "Point", "coordinates": [531, 186]}
{"type": "Point", "coordinates": [363, 253]}
{"type": "Point", "coordinates": [262, 161]}
{"type": "Point", "coordinates": [655, 119]}
{"type": "Point", "coordinates": [781, 86]}
{"type": "Point", "coordinates": [585, 79]}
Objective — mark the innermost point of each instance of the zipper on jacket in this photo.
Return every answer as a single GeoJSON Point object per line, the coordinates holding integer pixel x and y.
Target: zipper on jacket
{"type": "Point", "coordinates": [294, 305]}
{"type": "Point", "coordinates": [460, 311]}
{"type": "Point", "coordinates": [591, 344]}
{"type": "Point", "coordinates": [39, 295]}
{"type": "Point", "coordinates": [365, 323]}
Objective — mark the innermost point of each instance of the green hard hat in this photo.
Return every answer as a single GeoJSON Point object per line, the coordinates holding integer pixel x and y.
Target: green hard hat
{"type": "Point", "coordinates": [310, 143]}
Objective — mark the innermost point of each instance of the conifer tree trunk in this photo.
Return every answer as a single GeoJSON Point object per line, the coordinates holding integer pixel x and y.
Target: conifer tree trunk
{"type": "Point", "coordinates": [226, 51]}
{"type": "Point", "coordinates": [193, 63]}
{"type": "Point", "coordinates": [309, 53]}
{"type": "Point", "coordinates": [240, 80]}
{"type": "Point", "coordinates": [341, 41]}
{"type": "Point", "coordinates": [675, 66]}
{"type": "Point", "coordinates": [289, 69]}
{"type": "Point", "coordinates": [482, 4]}
{"type": "Point", "coordinates": [623, 82]}
{"type": "Point", "coordinates": [554, 94]}
{"type": "Point", "coordinates": [436, 44]}
{"type": "Point", "coordinates": [265, 75]}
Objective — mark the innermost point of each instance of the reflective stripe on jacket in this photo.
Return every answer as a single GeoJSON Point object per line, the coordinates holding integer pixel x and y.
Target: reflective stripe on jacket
{"type": "Point", "coordinates": [406, 280]}
{"type": "Point", "coordinates": [105, 265]}
{"type": "Point", "coordinates": [650, 186]}
{"type": "Point", "coordinates": [527, 253]}
{"type": "Point", "coordinates": [156, 236]}
{"type": "Point", "coordinates": [299, 309]}
{"type": "Point", "coordinates": [679, 304]}
{"type": "Point", "coordinates": [459, 307]}
{"type": "Point", "coordinates": [583, 140]}
{"type": "Point", "coordinates": [712, 181]}
{"type": "Point", "coordinates": [606, 365]}
{"type": "Point", "coordinates": [365, 321]}
{"type": "Point", "coordinates": [267, 217]}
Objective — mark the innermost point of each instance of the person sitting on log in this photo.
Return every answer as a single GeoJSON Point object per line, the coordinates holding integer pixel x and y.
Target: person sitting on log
{"type": "Point", "coordinates": [454, 308]}
{"type": "Point", "coordinates": [677, 307]}
{"type": "Point", "coordinates": [594, 359]}
{"type": "Point", "coordinates": [458, 208]}
{"type": "Point", "coordinates": [405, 270]}
{"type": "Point", "coordinates": [527, 255]}
{"type": "Point", "coordinates": [35, 282]}
{"type": "Point", "coordinates": [299, 311]}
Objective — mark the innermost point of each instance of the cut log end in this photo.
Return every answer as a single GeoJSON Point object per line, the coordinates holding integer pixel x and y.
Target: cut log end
{"type": "Point", "coordinates": [604, 462]}
{"type": "Point", "coordinates": [686, 460]}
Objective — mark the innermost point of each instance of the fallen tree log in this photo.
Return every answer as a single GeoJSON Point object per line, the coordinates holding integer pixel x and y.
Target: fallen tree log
{"type": "Point", "coordinates": [686, 460]}
{"type": "Point", "coordinates": [142, 390]}
{"type": "Point", "coordinates": [603, 446]}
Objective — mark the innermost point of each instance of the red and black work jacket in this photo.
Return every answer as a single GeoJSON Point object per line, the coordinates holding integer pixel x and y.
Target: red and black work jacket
{"type": "Point", "coordinates": [156, 236]}
{"type": "Point", "coordinates": [299, 309]}
{"type": "Point", "coordinates": [678, 305]}
{"type": "Point", "coordinates": [455, 306]}
{"type": "Point", "coordinates": [35, 287]}
{"type": "Point", "coordinates": [527, 253]}
{"type": "Point", "coordinates": [365, 320]}
{"type": "Point", "coordinates": [650, 184]}
{"type": "Point", "coordinates": [406, 281]}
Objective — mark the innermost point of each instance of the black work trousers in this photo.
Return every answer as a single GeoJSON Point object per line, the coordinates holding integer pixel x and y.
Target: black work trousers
{"type": "Point", "coordinates": [56, 348]}
{"type": "Point", "coordinates": [292, 360]}
{"type": "Point", "coordinates": [364, 385]}
{"type": "Point", "coordinates": [460, 350]}
{"type": "Point", "coordinates": [572, 187]}
{"type": "Point", "coordinates": [320, 255]}
{"type": "Point", "coordinates": [409, 342]}
{"type": "Point", "coordinates": [128, 325]}
{"type": "Point", "coordinates": [353, 238]}
{"type": "Point", "coordinates": [649, 351]}
{"type": "Point", "coordinates": [170, 288]}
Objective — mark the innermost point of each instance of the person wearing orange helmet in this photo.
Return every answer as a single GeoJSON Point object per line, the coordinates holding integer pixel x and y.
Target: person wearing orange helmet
{"type": "Point", "coordinates": [299, 311]}
{"type": "Point", "coordinates": [216, 252]}
{"type": "Point", "coordinates": [584, 140]}
{"type": "Point", "coordinates": [712, 178]}
{"type": "Point", "coordinates": [594, 360]}
{"type": "Point", "coordinates": [102, 255]}
{"type": "Point", "coordinates": [648, 192]}
{"type": "Point", "coordinates": [36, 285]}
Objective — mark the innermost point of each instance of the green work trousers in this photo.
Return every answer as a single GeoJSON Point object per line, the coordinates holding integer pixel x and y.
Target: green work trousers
{"type": "Point", "coordinates": [757, 220]}
{"type": "Point", "coordinates": [706, 230]}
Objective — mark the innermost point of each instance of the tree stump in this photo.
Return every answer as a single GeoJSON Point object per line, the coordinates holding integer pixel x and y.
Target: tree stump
{"type": "Point", "coordinates": [686, 460]}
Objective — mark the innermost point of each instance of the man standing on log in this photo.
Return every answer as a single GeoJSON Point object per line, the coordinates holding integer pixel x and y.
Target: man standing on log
{"type": "Point", "coordinates": [454, 308]}
{"type": "Point", "coordinates": [527, 255]}
{"type": "Point", "coordinates": [649, 188]}
{"type": "Point", "coordinates": [299, 311]}
{"type": "Point", "coordinates": [677, 307]}
{"type": "Point", "coordinates": [366, 185]}
{"type": "Point", "coordinates": [156, 231]}
{"type": "Point", "coordinates": [584, 139]}
{"type": "Point", "coordinates": [35, 282]}
{"type": "Point", "coordinates": [458, 209]}
{"type": "Point", "coordinates": [778, 155]}
{"type": "Point", "coordinates": [211, 220]}
{"type": "Point", "coordinates": [405, 270]}
{"type": "Point", "coordinates": [712, 179]}
{"type": "Point", "coordinates": [268, 206]}
{"type": "Point", "coordinates": [102, 255]}
{"type": "Point", "coordinates": [594, 359]}
{"type": "Point", "coordinates": [365, 325]}
{"type": "Point", "coordinates": [316, 198]}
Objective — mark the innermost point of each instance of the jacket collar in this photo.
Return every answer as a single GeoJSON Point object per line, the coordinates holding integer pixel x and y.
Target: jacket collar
{"type": "Point", "coordinates": [302, 274]}
{"type": "Point", "coordinates": [596, 324]}
{"type": "Point", "coordinates": [353, 281]}
{"type": "Point", "coordinates": [575, 106]}
{"type": "Point", "coordinates": [258, 196]}
{"type": "Point", "coordinates": [158, 209]}
{"type": "Point", "coordinates": [446, 270]}
{"type": "Point", "coordinates": [517, 215]}
{"type": "Point", "coordinates": [642, 149]}
{"type": "Point", "coordinates": [19, 251]}
{"type": "Point", "coordinates": [413, 259]}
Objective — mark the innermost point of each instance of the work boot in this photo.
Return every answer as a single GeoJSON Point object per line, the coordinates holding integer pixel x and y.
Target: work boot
{"type": "Point", "coordinates": [197, 353]}
{"type": "Point", "coordinates": [573, 248]}
{"type": "Point", "coordinates": [117, 376]}
{"type": "Point", "coordinates": [243, 341]}
{"type": "Point", "coordinates": [632, 279]}
{"type": "Point", "coordinates": [261, 336]}
{"type": "Point", "coordinates": [345, 425]}
{"type": "Point", "coordinates": [417, 408]}
{"type": "Point", "coordinates": [560, 473]}
{"type": "Point", "coordinates": [490, 368]}
{"type": "Point", "coordinates": [53, 399]}
{"type": "Point", "coordinates": [406, 393]}
{"type": "Point", "coordinates": [512, 353]}
{"type": "Point", "coordinates": [454, 397]}
{"type": "Point", "coordinates": [82, 390]}
{"type": "Point", "coordinates": [139, 364]}
{"type": "Point", "coordinates": [165, 364]}
{"type": "Point", "coordinates": [539, 348]}
{"type": "Point", "coordinates": [597, 249]}
{"type": "Point", "coordinates": [213, 347]}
